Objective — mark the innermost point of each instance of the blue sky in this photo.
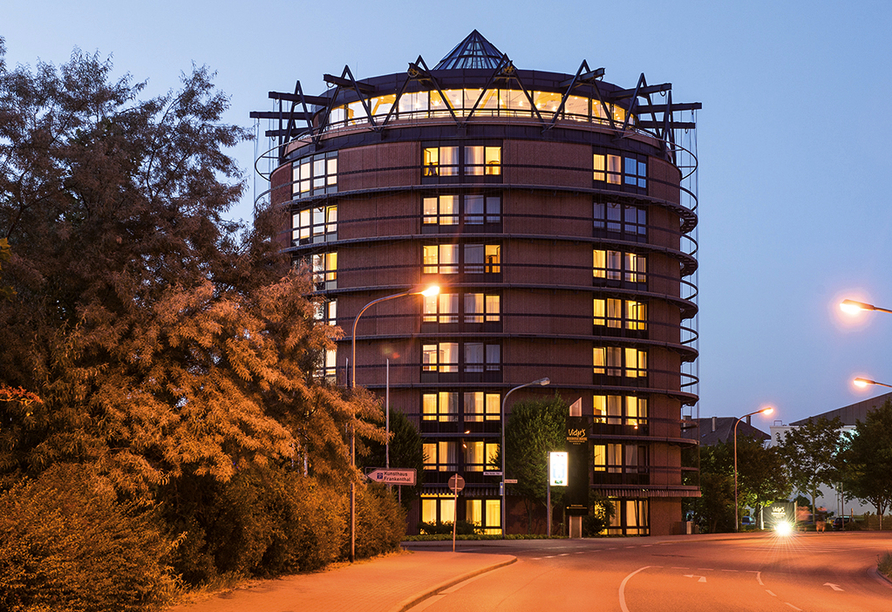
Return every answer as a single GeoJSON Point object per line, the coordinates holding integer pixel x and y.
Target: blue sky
{"type": "Point", "coordinates": [792, 139]}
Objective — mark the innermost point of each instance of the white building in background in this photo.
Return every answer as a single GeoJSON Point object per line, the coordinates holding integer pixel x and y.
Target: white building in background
{"type": "Point", "coordinates": [833, 499]}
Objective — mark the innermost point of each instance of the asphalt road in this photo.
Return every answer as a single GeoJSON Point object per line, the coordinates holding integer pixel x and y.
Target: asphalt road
{"type": "Point", "coordinates": [829, 572]}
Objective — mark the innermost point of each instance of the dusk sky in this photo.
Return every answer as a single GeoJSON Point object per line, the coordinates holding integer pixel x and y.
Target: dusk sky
{"type": "Point", "coordinates": [792, 139]}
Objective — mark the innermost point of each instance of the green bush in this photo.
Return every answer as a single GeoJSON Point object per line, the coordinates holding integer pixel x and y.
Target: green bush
{"type": "Point", "coordinates": [66, 544]}
{"type": "Point", "coordinates": [267, 522]}
{"type": "Point", "coordinates": [263, 522]}
{"type": "Point", "coordinates": [438, 528]}
{"type": "Point", "coordinates": [380, 521]}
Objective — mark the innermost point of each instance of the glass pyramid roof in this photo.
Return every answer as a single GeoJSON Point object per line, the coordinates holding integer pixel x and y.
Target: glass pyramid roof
{"type": "Point", "coordinates": [473, 52]}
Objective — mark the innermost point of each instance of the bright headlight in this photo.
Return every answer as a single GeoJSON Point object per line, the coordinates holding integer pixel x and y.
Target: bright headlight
{"type": "Point", "coordinates": [783, 528]}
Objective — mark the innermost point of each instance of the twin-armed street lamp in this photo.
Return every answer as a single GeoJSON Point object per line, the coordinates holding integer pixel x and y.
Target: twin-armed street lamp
{"type": "Point", "coordinates": [767, 410]}
{"type": "Point", "coordinates": [854, 307]}
{"type": "Point", "coordinates": [432, 290]}
{"type": "Point", "coordinates": [540, 382]}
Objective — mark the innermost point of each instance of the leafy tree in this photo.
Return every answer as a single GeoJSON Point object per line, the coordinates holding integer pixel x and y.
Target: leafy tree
{"type": "Point", "coordinates": [534, 429]}
{"type": "Point", "coordinates": [868, 460]}
{"type": "Point", "coordinates": [714, 509]}
{"type": "Point", "coordinates": [161, 340]}
{"type": "Point", "coordinates": [761, 478]}
{"type": "Point", "coordinates": [810, 453]}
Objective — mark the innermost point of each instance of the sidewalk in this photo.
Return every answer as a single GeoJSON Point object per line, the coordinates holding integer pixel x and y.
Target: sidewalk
{"type": "Point", "coordinates": [389, 584]}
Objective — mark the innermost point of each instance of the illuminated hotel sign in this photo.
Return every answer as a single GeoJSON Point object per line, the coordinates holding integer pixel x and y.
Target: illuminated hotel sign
{"type": "Point", "coordinates": [558, 472]}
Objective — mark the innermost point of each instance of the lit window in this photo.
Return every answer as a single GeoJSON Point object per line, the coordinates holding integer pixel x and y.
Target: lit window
{"type": "Point", "coordinates": [607, 168]}
{"type": "Point", "coordinates": [616, 313]}
{"type": "Point", "coordinates": [482, 259]}
{"type": "Point", "coordinates": [620, 410]}
{"type": "Point", "coordinates": [442, 308]}
{"type": "Point", "coordinates": [440, 259]}
{"type": "Point", "coordinates": [315, 174]}
{"type": "Point", "coordinates": [441, 210]}
{"type": "Point", "coordinates": [441, 357]}
{"type": "Point", "coordinates": [467, 160]}
{"type": "Point", "coordinates": [636, 315]}
{"type": "Point", "coordinates": [610, 265]}
{"type": "Point", "coordinates": [325, 270]}
{"type": "Point", "coordinates": [481, 406]}
{"type": "Point", "coordinates": [317, 224]}
{"type": "Point", "coordinates": [327, 312]}
{"type": "Point", "coordinates": [442, 406]}
{"type": "Point", "coordinates": [482, 308]}
{"type": "Point", "coordinates": [440, 161]}
{"type": "Point", "coordinates": [480, 160]}
{"type": "Point", "coordinates": [619, 361]}
{"type": "Point", "coordinates": [608, 312]}
{"type": "Point", "coordinates": [636, 268]}
{"type": "Point", "coordinates": [440, 456]}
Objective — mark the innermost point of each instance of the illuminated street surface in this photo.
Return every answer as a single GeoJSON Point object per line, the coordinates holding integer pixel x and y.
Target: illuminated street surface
{"type": "Point", "coordinates": [726, 572]}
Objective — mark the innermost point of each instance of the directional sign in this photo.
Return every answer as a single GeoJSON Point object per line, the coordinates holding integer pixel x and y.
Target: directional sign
{"type": "Point", "coordinates": [510, 481]}
{"type": "Point", "coordinates": [456, 483]}
{"type": "Point", "coordinates": [402, 476]}
{"type": "Point", "coordinates": [492, 473]}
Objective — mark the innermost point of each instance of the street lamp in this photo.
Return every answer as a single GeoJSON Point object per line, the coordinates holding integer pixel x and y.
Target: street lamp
{"type": "Point", "coordinates": [854, 307]}
{"type": "Point", "coordinates": [863, 382]}
{"type": "Point", "coordinates": [767, 410]}
{"type": "Point", "coordinates": [540, 382]}
{"type": "Point", "coordinates": [432, 290]}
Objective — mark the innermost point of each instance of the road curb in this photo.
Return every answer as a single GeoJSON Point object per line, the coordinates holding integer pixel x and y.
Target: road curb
{"type": "Point", "coordinates": [414, 600]}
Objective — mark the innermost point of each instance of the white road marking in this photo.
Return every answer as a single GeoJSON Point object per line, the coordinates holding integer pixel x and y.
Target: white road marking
{"type": "Point", "coordinates": [622, 588]}
{"type": "Point", "coordinates": [770, 593]}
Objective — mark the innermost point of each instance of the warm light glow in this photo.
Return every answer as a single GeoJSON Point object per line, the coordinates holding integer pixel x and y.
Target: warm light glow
{"type": "Point", "coordinates": [783, 528]}
{"type": "Point", "coordinates": [862, 382]}
{"type": "Point", "coordinates": [767, 410]}
{"type": "Point", "coordinates": [852, 307]}
{"type": "Point", "coordinates": [431, 291]}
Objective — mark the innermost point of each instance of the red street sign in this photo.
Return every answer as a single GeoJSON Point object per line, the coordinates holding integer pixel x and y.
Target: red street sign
{"type": "Point", "coordinates": [456, 483]}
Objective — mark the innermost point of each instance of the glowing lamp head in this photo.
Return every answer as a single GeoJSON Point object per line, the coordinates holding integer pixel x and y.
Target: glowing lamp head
{"type": "Point", "coordinates": [862, 382]}
{"type": "Point", "coordinates": [431, 291]}
{"type": "Point", "coordinates": [767, 410]}
{"type": "Point", "coordinates": [853, 307]}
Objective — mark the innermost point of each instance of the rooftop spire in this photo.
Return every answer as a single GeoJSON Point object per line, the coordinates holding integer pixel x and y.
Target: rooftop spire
{"type": "Point", "coordinates": [473, 52]}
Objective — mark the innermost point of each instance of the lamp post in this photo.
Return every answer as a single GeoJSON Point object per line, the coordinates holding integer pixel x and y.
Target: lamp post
{"type": "Point", "coordinates": [432, 290]}
{"type": "Point", "coordinates": [540, 382]}
{"type": "Point", "coordinates": [854, 307]}
{"type": "Point", "coordinates": [863, 382]}
{"type": "Point", "coordinates": [767, 410]}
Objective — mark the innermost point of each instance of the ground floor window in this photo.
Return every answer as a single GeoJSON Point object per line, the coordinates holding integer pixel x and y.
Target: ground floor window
{"type": "Point", "coordinates": [485, 514]}
{"type": "Point", "coordinates": [629, 517]}
{"type": "Point", "coordinates": [438, 509]}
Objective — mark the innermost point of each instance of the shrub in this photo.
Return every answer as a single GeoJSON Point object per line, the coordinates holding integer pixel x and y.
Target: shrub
{"type": "Point", "coordinates": [66, 544]}
{"type": "Point", "coordinates": [380, 521]}
{"type": "Point", "coordinates": [263, 522]}
{"type": "Point", "coordinates": [438, 528]}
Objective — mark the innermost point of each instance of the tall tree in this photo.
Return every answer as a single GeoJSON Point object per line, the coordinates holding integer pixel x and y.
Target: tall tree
{"type": "Point", "coordinates": [761, 477]}
{"type": "Point", "coordinates": [160, 341]}
{"type": "Point", "coordinates": [811, 454]}
{"type": "Point", "coordinates": [868, 460]}
{"type": "Point", "coordinates": [534, 429]}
